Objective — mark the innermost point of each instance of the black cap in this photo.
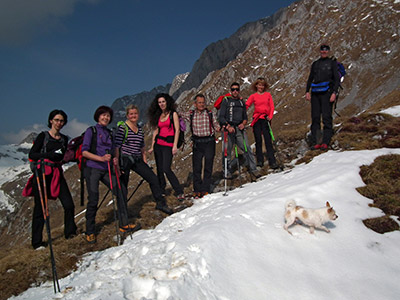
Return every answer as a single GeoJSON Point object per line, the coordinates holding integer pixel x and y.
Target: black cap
{"type": "Point", "coordinates": [325, 47]}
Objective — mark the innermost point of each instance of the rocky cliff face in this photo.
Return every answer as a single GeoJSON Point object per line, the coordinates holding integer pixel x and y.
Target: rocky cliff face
{"type": "Point", "coordinates": [218, 54]}
{"type": "Point", "coordinates": [177, 82]}
{"type": "Point", "coordinates": [364, 35]}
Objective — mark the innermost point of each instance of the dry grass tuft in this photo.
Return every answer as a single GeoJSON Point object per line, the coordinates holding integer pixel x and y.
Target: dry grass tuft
{"type": "Point", "coordinates": [381, 224]}
{"type": "Point", "coordinates": [369, 131]}
{"type": "Point", "coordinates": [382, 179]}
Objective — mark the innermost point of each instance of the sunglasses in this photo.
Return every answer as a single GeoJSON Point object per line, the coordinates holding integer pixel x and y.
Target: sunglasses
{"type": "Point", "coordinates": [235, 89]}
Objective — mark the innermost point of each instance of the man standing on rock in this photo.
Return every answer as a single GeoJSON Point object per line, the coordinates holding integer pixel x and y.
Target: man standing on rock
{"type": "Point", "coordinates": [324, 84]}
{"type": "Point", "coordinates": [233, 119]}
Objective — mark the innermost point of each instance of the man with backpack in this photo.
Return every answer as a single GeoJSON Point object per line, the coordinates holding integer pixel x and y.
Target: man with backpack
{"type": "Point", "coordinates": [324, 84]}
{"type": "Point", "coordinates": [203, 125]}
{"type": "Point", "coordinates": [233, 119]}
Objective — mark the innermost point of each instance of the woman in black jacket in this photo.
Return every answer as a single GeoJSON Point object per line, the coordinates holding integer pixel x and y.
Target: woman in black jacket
{"type": "Point", "coordinates": [49, 149]}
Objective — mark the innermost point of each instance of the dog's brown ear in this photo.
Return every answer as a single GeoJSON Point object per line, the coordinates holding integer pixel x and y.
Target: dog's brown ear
{"type": "Point", "coordinates": [330, 210]}
{"type": "Point", "coordinates": [327, 204]}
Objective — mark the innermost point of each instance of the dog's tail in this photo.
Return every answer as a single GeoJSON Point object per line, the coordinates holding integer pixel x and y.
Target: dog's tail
{"type": "Point", "coordinates": [290, 204]}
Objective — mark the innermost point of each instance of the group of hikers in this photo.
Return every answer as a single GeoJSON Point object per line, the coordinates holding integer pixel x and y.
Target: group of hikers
{"type": "Point", "coordinates": [110, 157]}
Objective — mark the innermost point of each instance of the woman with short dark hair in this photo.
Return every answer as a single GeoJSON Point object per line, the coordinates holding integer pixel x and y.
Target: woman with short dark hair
{"type": "Point", "coordinates": [47, 153]}
{"type": "Point", "coordinates": [97, 147]}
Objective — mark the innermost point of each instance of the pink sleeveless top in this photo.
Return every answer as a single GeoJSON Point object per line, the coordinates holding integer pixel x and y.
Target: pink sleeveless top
{"type": "Point", "coordinates": [165, 130]}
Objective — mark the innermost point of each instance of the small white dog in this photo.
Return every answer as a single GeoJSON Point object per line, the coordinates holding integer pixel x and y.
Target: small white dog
{"type": "Point", "coordinates": [310, 217]}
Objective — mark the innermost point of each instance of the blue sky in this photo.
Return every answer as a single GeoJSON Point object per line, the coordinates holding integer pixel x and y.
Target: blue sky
{"type": "Point", "coordinates": [78, 54]}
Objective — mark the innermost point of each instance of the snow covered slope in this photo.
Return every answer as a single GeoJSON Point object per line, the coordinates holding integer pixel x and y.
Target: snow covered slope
{"type": "Point", "coordinates": [234, 247]}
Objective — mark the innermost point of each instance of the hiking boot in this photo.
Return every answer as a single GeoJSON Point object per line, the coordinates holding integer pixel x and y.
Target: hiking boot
{"type": "Point", "coordinates": [324, 147]}
{"type": "Point", "coordinates": [316, 147]}
{"type": "Point", "coordinates": [228, 175]}
{"type": "Point", "coordinates": [274, 166]}
{"type": "Point", "coordinates": [127, 228]}
{"type": "Point", "coordinates": [40, 246]}
{"type": "Point", "coordinates": [181, 197]}
{"type": "Point", "coordinates": [255, 174]}
{"type": "Point", "coordinates": [196, 195]}
{"type": "Point", "coordinates": [164, 208]}
{"type": "Point", "coordinates": [70, 236]}
{"type": "Point", "coordinates": [204, 194]}
{"type": "Point", "coordinates": [90, 238]}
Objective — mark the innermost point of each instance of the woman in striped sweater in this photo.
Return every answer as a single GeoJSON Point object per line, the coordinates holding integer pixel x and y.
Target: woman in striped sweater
{"type": "Point", "coordinates": [129, 144]}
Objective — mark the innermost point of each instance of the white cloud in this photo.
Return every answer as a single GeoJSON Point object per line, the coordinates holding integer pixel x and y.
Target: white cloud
{"type": "Point", "coordinates": [16, 138]}
{"type": "Point", "coordinates": [72, 129]}
{"type": "Point", "coordinates": [21, 20]}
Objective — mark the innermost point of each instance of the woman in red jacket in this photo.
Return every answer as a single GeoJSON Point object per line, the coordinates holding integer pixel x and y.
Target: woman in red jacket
{"type": "Point", "coordinates": [263, 113]}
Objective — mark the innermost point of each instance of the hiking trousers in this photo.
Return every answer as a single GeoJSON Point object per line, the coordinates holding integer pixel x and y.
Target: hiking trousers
{"type": "Point", "coordinates": [320, 105]}
{"type": "Point", "coordinates": [163, 156]}
{"type": "Point", "coordinates": [261, 129]}
{"type": "Point", "coordinates": [137, 165]}
{"type": "Point", "coordinates": [66, 202]}
{"type": "Point", "coordinates": [93, 177]}
{"type": "Point", "coordinates": [239, 137]}
{"type": "Point", "coordinates": [206, 151]}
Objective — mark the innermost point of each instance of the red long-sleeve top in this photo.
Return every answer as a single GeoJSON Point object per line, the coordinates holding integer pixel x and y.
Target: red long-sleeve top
{"type": "Point", "coordinates": [263, 106]}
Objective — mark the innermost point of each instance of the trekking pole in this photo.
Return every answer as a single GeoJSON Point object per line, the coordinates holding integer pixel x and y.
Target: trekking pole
{"type": "Point", "coordinates": [270, 132]}
{"type": "Point", "coordinates": [82, 184]}
{"type": "Point", "coordinates": [225, 161]}
{"type": "Point", "coordinates": [238, 164]}
{"type": "Point", "coordinates": [237, 157]}
{"type": "Point", "coordinates": [114, 206]}
{"type": "Point", "coordinates": [274, 145]}
{"type": "Point", "coordinates": [46, 218]}
{"type": "Point", "coordinates": [137, 187]}
{"type": "Point", "coordinates": [121, 195]}
{"type": "Point", "coordinates": [104, 198]}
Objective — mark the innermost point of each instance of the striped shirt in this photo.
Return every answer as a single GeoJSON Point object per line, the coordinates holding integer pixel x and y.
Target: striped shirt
{"type": "Point", "coordinates": [134, 142]}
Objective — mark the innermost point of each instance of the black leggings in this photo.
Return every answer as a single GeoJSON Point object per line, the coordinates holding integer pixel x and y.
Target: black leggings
{"type": "Point", "coordinates": [163, 156]}
{"type": "Point", "coordinates": [137, 165]}
{"type": "Point", "coordinates": [260, 129]}
{"type": "Point", "coordinates": [67, 203]}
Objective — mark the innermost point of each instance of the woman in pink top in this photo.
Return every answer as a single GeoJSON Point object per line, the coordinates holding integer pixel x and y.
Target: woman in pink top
{"type": "Point", "coordinates": [164, 121]}
{"type": "Point", "coordinates": [262, 115]}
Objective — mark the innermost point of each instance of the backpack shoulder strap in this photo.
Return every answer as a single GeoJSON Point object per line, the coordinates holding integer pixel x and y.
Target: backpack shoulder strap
{"type": "Point", "coordinates": [191, 120]}
{"type": "Point", "coordinates": [171, 118]}
{"type": "Point", "coordinates": [123, 123]}
{"type": "Point", "coordinates": [210, 119]}
{"type": "Point", "coordinates": [93, 142]}
{"type": "Point", "coordinates": [45, 141]}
